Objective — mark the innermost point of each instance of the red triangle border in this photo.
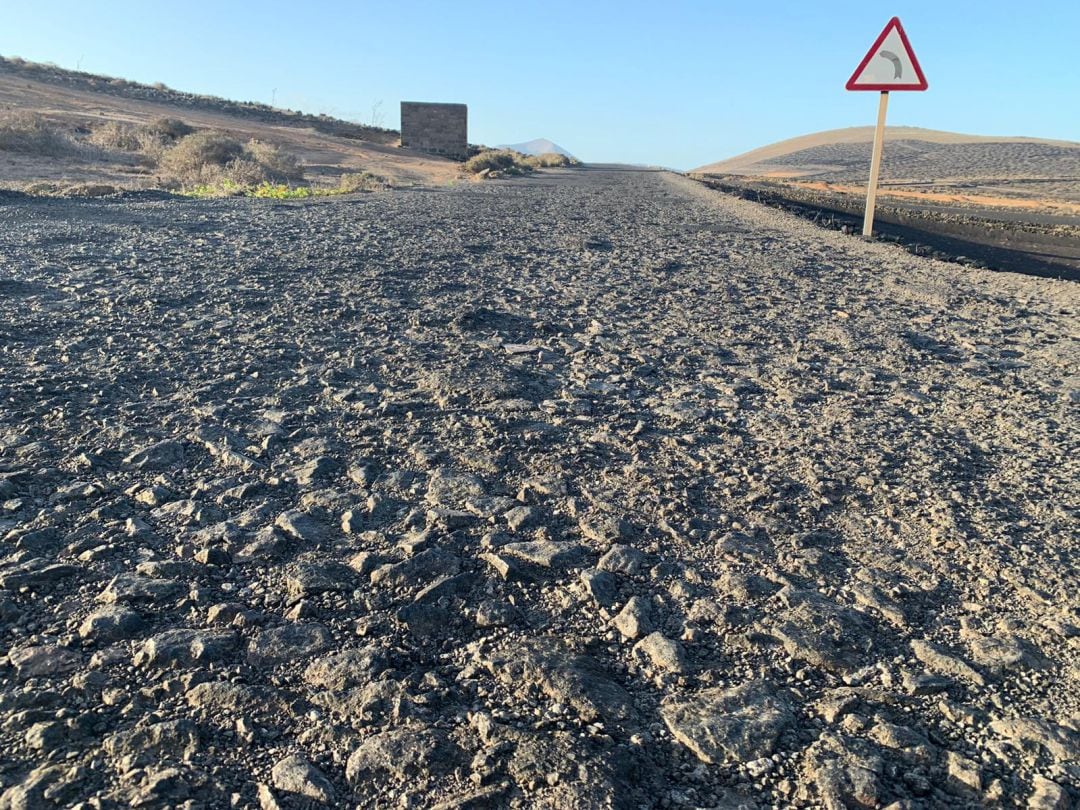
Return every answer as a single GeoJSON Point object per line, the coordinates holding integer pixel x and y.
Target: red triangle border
{"type": "Point", "coordinates": [893, 23]}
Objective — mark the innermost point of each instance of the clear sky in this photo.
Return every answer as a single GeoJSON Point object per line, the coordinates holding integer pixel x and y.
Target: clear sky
{"type": "Point", "coordinates": [672, 83]}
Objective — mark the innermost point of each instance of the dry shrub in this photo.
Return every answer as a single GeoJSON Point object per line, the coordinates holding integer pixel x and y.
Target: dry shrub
{"type": "Point", "coordinates": [279, 164]}
{"type": "Point", "coordinates": [201, 156]}
{"type": "Point", "coordinates": [118, 136]}
{"type": "Point", "coordinates": [550, 160]}
{"type": "Point", "coordinates": [245, 172]}
{"type": "Point", "coordinates": [362, 181]}
{"type": "Point", "coordinates": [215, 158]}
{"type": "Point", "coordinates": [505, 161]}
{"type": "Point", "coordinates": [169, 129]}
{"type": "Point", "coordinates": [32, 134]}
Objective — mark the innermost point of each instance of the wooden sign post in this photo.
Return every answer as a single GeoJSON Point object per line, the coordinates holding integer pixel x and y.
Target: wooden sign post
{"type": "Point", "coordinates": [875, 165]}
{"type": "Point", "coordinates": [890, 64]}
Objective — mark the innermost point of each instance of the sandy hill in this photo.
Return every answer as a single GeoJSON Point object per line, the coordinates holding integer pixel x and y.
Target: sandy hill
{"type": "Point", "coordinates": [914, 156]}
{"type": "Point", "coordinates": [538, 146]}
{"type": "Point", "coordinates": [78, 103]}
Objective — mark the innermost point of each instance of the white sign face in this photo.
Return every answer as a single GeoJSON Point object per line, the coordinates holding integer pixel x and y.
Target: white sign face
{"type": "Point", "coordinates": [890, 64]}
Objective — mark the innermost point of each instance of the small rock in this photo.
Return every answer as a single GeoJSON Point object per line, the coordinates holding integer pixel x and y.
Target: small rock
{"type": "Point", "coordinates": [163, 455]}
{"type": "Point", "coordinates": [295, 774]}
{"type": "Point", "coordinates": [186, 647]}
{"type": "Point", "coordinates": [1048, 795]}
{"type": "Point", "coordinates": [662, 652]}
{"type": "Point", "coordinates": [622, 560]}
{"type": "Point", "coordinates": [135, 589]}
{"type": "Point", "coordinates": [521, 517]}
{"type": "Point", "coordinates": [43, 661]}
{"type": "Point", "coordinates": [633, 620]}
{"type": "Point", "coordinates": [346, 669]}
{"type": "Point", "coordinates": [290, 642]}
{"type": "Point", "coordinates": [301, 526]}
{"type": "Point", "coordinates": [962, 773]}
{"type": "Point", "coordinates": [111, 624]}
{"type": "Point", "coordinates": [729, 725]}
{"type": "Point", "coordinates": [601, 586]}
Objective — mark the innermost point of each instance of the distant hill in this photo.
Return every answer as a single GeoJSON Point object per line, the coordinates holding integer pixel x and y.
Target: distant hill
{"type": "Point", "coordinates": [540, 146]}
{"type": "Point", "coordinates": [75, 110]}
{"type": "Point", "coordinates": [915, 156]}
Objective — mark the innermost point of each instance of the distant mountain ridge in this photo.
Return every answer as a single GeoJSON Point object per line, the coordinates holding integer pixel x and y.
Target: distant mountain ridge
{"type": "Point", "coordinates": [539, 146]}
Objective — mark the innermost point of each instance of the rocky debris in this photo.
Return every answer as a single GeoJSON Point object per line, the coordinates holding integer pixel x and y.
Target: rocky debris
{"type": "Point", "coordinates": [620, 559]}
{"type": "Point", "coordinates": [186, 647]}
{"type": "Point", "coordinates": [963, 774]}
{"type": "Point", "coordinates": [425, 566]}
{"type": "Point", "coordinates": [573, 679]}
{"type": "Point", "coordinates": [547, 553]}
{"type": "Point", "coordinates": [169, 739]}
{"type": "Point", "coordinates": [402, 753]}
{"type": "Point", "coordinates": [134, 589]}
{"type": "Point", "coordinates": [1032, 733]}
{"type": "Point", "coordinates": [215, 698]}
{"type": "Point", "coordinates": [452, 489]}
{"type": "Point", "coordinates": [740, 724]}
{"type": "Point", "coordinates": [940, 661]}
{"type": "Point", "coordinates": [36, 574]}
{"type": "Point", "coordinates": [321, 576]}
{"type": "Point", "coordinates": [841, 772]}
{"type": "Point", "coordinates": [821, 632]}
{"type": "Point", "coordinates": [1000, 654]}
{"type": "Point", "coordinates": [294, 774]}
{"type": "Point", "coordinates": [301, 526]}
{"type": "Point", "coordinates": [593, 490]}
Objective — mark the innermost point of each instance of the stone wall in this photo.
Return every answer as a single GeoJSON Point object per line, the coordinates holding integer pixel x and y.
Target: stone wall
{"type": "Point", "coordinates": [441, 129]}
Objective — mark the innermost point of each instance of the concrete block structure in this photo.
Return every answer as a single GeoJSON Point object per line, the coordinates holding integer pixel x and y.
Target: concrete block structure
{"type": "Point", "coordinates": [440, 129]}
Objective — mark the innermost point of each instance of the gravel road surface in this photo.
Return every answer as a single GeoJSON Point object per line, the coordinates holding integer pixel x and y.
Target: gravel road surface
{"type": "Point", "coordinates": [596, 489]}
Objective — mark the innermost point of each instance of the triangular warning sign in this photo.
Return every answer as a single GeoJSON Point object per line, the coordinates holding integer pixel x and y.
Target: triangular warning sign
{"type": "Point", "coordinates": [890, 64]}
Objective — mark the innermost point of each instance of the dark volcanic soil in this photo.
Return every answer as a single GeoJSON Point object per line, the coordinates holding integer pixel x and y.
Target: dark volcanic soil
{"type": "Point", "coordinates": [593, 490]}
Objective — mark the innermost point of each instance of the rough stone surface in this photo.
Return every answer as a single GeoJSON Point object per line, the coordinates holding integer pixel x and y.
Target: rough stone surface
{"type": "Point", "coordinates": [393, 485]}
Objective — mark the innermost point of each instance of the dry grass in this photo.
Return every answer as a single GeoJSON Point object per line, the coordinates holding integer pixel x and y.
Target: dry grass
{"type": "Point", "coordinates": [32, 134]}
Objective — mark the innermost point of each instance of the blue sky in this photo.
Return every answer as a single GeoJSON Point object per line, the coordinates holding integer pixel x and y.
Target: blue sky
{"type": "Point", "coordinates": [671, 83]}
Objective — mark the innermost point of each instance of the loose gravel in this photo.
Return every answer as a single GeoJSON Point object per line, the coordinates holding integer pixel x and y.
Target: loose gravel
{"type": "Point", "coordinates": [595, 489]}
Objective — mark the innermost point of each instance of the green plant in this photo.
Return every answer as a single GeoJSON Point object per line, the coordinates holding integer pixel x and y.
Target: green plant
{"type": "Point", "coordinates": [283, 192]}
